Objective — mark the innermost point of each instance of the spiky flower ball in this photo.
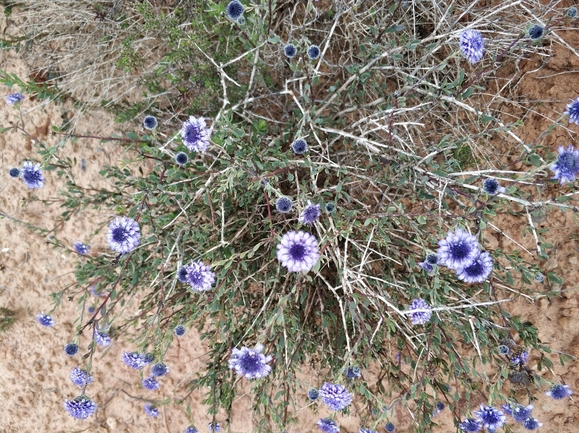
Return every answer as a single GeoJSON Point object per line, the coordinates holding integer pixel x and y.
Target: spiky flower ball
{"type": "Point", "coordinates": [492, 187]}
{"type": "Point", "coordinates": [567, 165]}
{"type": "Point", "coordinates": [45, 320]}
{"type": "Point", "coordinates": [290, 51]}
{"type": "Point", "coordinates": [335, 396]}
{"type": "Point", "coordinates": [521, 413]}
{"type": "Point", "coordinates": [284, 204]}
{"type": "Point", "coordinates": [195, 134]}
{"type": "Point", "coordinates": [491, 417]}
{"type": "Point", "coordinates": [135, 360]}
{"type": "Point", "coordinates": [234, 10]}
{"type": "Point", "coordinates": [214, 427]}
{"type": "Point", "coordinates": [352, 372]}
{"type": "Point", "coordinates": [80, 377]}
{"type": "Point", "coordinates": [102, 338]}
{"type": "Point", "coordinates": [31, 175]}
{"type": "Point", "coordinates": [81, 248]}
{"type": "Point", "coordinates": [471, 425]}
{"type": "Point", "coordinates": [71, 349]}
{"type": "Point", "coordinates": [181, 158]}
{"type": "Point", "coordinates": [472, 45]}
{"type": "Point", "coordinates": [159, 369]}
{"type": "Point", "coordinates": [314, 52]}
{"type": "Point", "coordinates": [313, 394]}
{"type": "Point", "coordinates": [478, 271]}
{"type": "Point", "coordinates": [532, 424]}
{"type": "Point", "coordinates": [14, 172]}
{"type": "Point", "coordinates": [150, 122]}
{"type": "Point", "coordinates": [389, 427]}
{"type": "Point", "coordinates": [250, 363]}
{"type": "Point", "coordinates": [199, 276]}
{"type": "Point", "coordinates": [124, 235]}
{"type": "Point", "coordinates": [559, 392]}
{"type": "Point", "coordinates": [191, 429]}
{"type": "Point", "coordinates": [504, 350]}
{"type": "Point", "coordinates": [151, 384]}
{"type": "Point", "coordinates": [298, 251]}
{"type": "Point", "coordinates": [299, 146]}
{"type": "Point", "coordinates": [536, 31]}
{"type": "Point", "coordinates": [310, 214]}
{"type": "Point", "coordinates": [458, 250]}
{"type": "Point", "coordinates": [152, 411]}
{"type": "Point", "coordinates": [179, 330]}
{"type": "Point", "coordinates": [14, 98]}
{"type": "Point", "coordinates": [573, 111]}
{"type": "Point", "coordinates": [81, 407]}
{"type": "Point", "coordinates": [330, 207]}
{"type": "Point", "coordinates": [328, 425]}
{"type": "Point", "coordinates": [419, 317]}
{"type": "Point", "coordinates": [507, 409]}
{"type": "Point", "coordinates": [572, 12]}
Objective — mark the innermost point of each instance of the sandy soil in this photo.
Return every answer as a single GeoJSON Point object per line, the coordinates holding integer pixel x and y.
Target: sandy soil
{"type": "Point", "coordinates": [34, 370]}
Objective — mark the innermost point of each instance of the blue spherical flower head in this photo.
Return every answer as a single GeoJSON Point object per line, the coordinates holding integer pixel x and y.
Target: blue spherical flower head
{"type": "Point", "coordinates": [135, 360]}
{"type": "Point", "coordinates": [472, 45]}
{"type": "Point", "coordinates": [150, 122]}
{"type": "Point", "coordinates": [14, 98]}
{"type": "Point", "coordinates": [191, 429]}
{"type": "Point", "coordinates": [298, 251]}
{"type": "Point", "coordinates": [492, 187]}
{"type": "Point", "coordinates": [234, 10]}
{"type": "Point", "coordinates": [91, 309]}
{"type": "Point", "coordinates": [459, 250]}
{"type": "Point", "coordinates": [559, 392]}
{"type": "Point", "coordinates": [521, 358]}
{"type": "Point", "coordinates": [389, 427]}
{"type": "Point", "coordinates": [491, 417]}
{"type": "Point", "coordinates": [532, 424]}
{"type": "Point", "coordinates": [572, 12]}
{"type": "Point", "coordinates": [573, 112]}
{"type": "Point", "coordinates": [182, 274]}
{"type": "Point", "coordinates": [310, 214]}
{"type": "Point", "coordinates": [432, 259]}
{"type": "Point", "coordinates": [314, 52]}
{"type": "Point", "coordinates": [521, 413]}
{"type": "Point", "coordinates": [195, 134]}
{"type": "Point", "coordinates": [81, 407]}
{"type": "Point", "coordinates": [31, 175]}
{"type": "Point", "coordinates": [539, 277]}
{"type": "Point", "coordinates": [284, 204]}
{"type": "Point", "coordinates": [439, 406]}
{"type": "Point", "coordinates": [80, 377]}
{"type": "Point", "coordinates": [215, 427]}
{"type": "Point", "coordinates": [427, 267]}
{"type": "Point", "coordinates": [478, 271]}
{"type": "Point", "coordinates": [45, 320]}
{"type": "Point", "coordinates": [299, 146]}
{"type": "Point", "coordinates": [330, 207]}
{"type": "Point", "coordinates": [181, 158]}
{"type": "Point", "coordinates": [352, 372]}
{"type": "Point", "coordinates": [151, 384]}
{"type": "Point", "coordinates": [335, 396]}
{"type": "Point", "coordinates": [81, 248]}
{"type": "Point", "coordinates": [328, 425]}
{"type": "Point", "coordinates": [290, 51]}
{"type": "Point", "coordinates": [504, 350]}
{"type": "Point", "coordinates": [199, 276]}
{"type": "Point", "coordinates": [419, 317]}
{"type": "Point", "coordinates": [159, 370]}
{"type": "Point", "coordinates": [71, 349]}
{"type": "Point", "coordinates": [536, 31]}
{"type": "Point", "coordinates": [102, 338]}
{"type": "Point", "coordinates": [507, 409]}
{"type": "Point", "coordinates": [313, 394]}
{"type": "Point", "coordinates": [124, 235]}
{"type": "Point", "coordinates": [151, 410]}
{"type": "Point", "coordinates": [14, 172]}
{"type": "Point", "coordinates": [567, 165]}
{"type": "Point", "coordinates": [250, 363]}
{"type": "Point", "coordinates": [179, 330]}
{"type": "Point", "coordinates": [471, 425]}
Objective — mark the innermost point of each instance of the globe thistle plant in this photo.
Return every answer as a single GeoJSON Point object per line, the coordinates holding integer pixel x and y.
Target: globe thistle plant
{"type": "Point", "coordinates": [313, 394]}
{"type": "Point", "coordinates": [472, 45]}
{"type": "Point", "coordinates": [250, 363]}
{"type": "Point", "coordinates": [135, 360]}
{"type": "Point", "coordinates": [419, 317]}
{"type": "Point", "coordinates": [14, 172]}
{"type": "Point", "coordinates": [471, 425]}
{"type": "Point", "coordinates": [214, 427]}
{"type": "Point", "coordinates": [195, 134]}
{"type": "Point", "coordinates": [290, 51]}
{"type": "Point", "coordinates": [150, 122]}
{"type": "Point", "coordinates": [559, 392]}
{"type": "Point", "coordinates": [151, 384]}
{"type": "Point", "coordinates": [299, 146]}
{"type": "Point", "coordinates": [478, 271]}
{"type": "Point", "coordinates": [458, 250]}
{"type": "Point", "coordinates": [573, 111]}
{"type": "Point", "coordinates": [532, 424]}
{"type": "Point", "coordinates": [234, 10]}
{"type": "Point", "coordinates": [572, 12]}
{"type": "Point", "coordinates": [492, 187]}
{"type": "Point", "coordinates": [567, 165]}
{"type": "Point", "coordinates": [310, 214]}
{"type": "Point", "coordinates": [298, 251]}
{"type": "Point", "coordinates": [191, 429]}
{"type": "Point", "coordinates": [284, 204]}
{"type": "Point", "coordinates": [179, 330]}
{"type": "Point", "coordinates": [124, 235]}
{"type": "Point", "coordinates": [389, 427]}
{"type": "Point", "coordinates": [507, 409]}
{"type": "Point", "coordinates": [14, 98]}
{"type": "Point", "coordinates": [45, 320]}
{"type": "Point", "coordinates": [81, 248]}
{"type": "Point", "coordinates": [81, 407]}
{"type": "Point", "coordinates": [80, 377]}
{"type": "Point", "coordinates": [521, 413]}
{"type": "Point", "coordinates": [335, 396]}
{"type": "Point", "coordinates": [352, 372]}
{"type": "Point", "coordinates": [536, 31]}
{"type": "Point", "coordinates": [328, 425]}
{"type": "Point", "coordinates": [71, 349]}
{"type": "Point", "coordinates": [491, 417]}
{"type": "Point", "coordinates": [199, 276]}
{"type": "Point", "coordinates": [159, 369]}
{"type": "Point", "coordinates": [314, 52]}
{"type": "Point", "coordinates": [427, 267]}
{"type": "Point", "coordinates": [330, 207]}
{"type": "Point", "coordinates": [102, 338]}
{"type": "Point", "coordinates": [151, 410]}
{"type": "Point", "coordinates": [181, 158]}
{"type": "Point", "coordinates": [31, 175]}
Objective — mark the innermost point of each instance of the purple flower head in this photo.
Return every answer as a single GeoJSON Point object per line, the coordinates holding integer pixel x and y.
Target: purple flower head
{"type": "Point", "coordinates": [135, 360]}
{"type": "Point", "coordinates": [199, 276]}
{"type": "Point", "coordinates": [478, 271]}
{"type": "Point", "coordinates": [45, 320]}
{"type": "Point", "coordinates": [195, 134]}
{"type": "Point", "coordinates": [314, 52]}
{"type": "Point", "coordinates": [471, 425]}
{"type": "Point", "coordinates": [427, 267]}
{"type": "Point", "coordinates": [536, 31]}
{"type": "Point", "coordinates": [250, 363]}
{"type": "Point", "coordinates": [102, 338]}
{"type": "Point", "coordinates": [81, 248]}
{"type": "Point", "coordinates": [335, 396]}
{"type": "Point", "coordinates": [532, 424]}
{"type": "Point", "coordinates": [472, 45]}
{"type": "Point", "coordinates": [214, 427]}
{"type": "Point", "coordinates": [310, 214]}
{"type": "Point", "coordinates": [150, 122]}
{"type": "Point", "coordinates": [492, 187]}
{"type": "Point", "coordinates": [439, 407]}
{"type": "Point", "coordinates": [567, 165]}
{"type": "Point", "coordinates": [124, 235]}
{"type": "Point", "coordinates": [298, 251]}
{"type": "Point", "coordinates": [299, 146]}
{"type": "Point", "coordinates": [389, 427]}
{"type": "Point", "coordinates": [290, 51]}
{"type": "Point", "coordinates": [458, 250]}
{"type": "Point", "coordinates": [284, 204]}
{"type": "Point", "coordinates": [81, 407]}
{"type": "Point", "coordinates": [431, 259]}
{"type": "Point", "coordinates": [559, 392]}
{"type": "Point", "coordinates": [328, 425]}
{"type": "Point", "coordinates": [14, 98]}
{"type": "Point", "coordinates": [151, 410]}
{"type": "Point", "coordinates": [181, 158]}
{"type": "Point", "coordinates": [191, 429]}
{"type": "Point", "coordinates": [179, 330]}
{"type": "Point", "coordinates": [80, 377]}
{"type": "Point", "coordinates": [507, 409]}
{"type": "Point", "coordinates": [504, 350]}
{"type": "Point", "coordinates": [14, 172]}
{"type": "Point", "coordinates": [151, 384]}
{"type": "Point", "coordinates": [71, 349]}
{"type": "Point", "coordinates": [234, 10]}
{"type": "Point", "coordinates": [31, 175]}
{"type": "Point", "coordinates": [182, 274]}
{"type": "Point", "coordinates": [521, 358]}
{"type": "Point", "coordinates": [352, 372]}
{"type": "Point", "coordinates": [491, 417]}
{"type": "Point", "coordinates": [521, 413]}
{"type": "Point", "coordinates": [419, 317]}
{"type": "Point", "coordinates": [313, 394]}
{"type": "Point", "coordinates": [159, 369]}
